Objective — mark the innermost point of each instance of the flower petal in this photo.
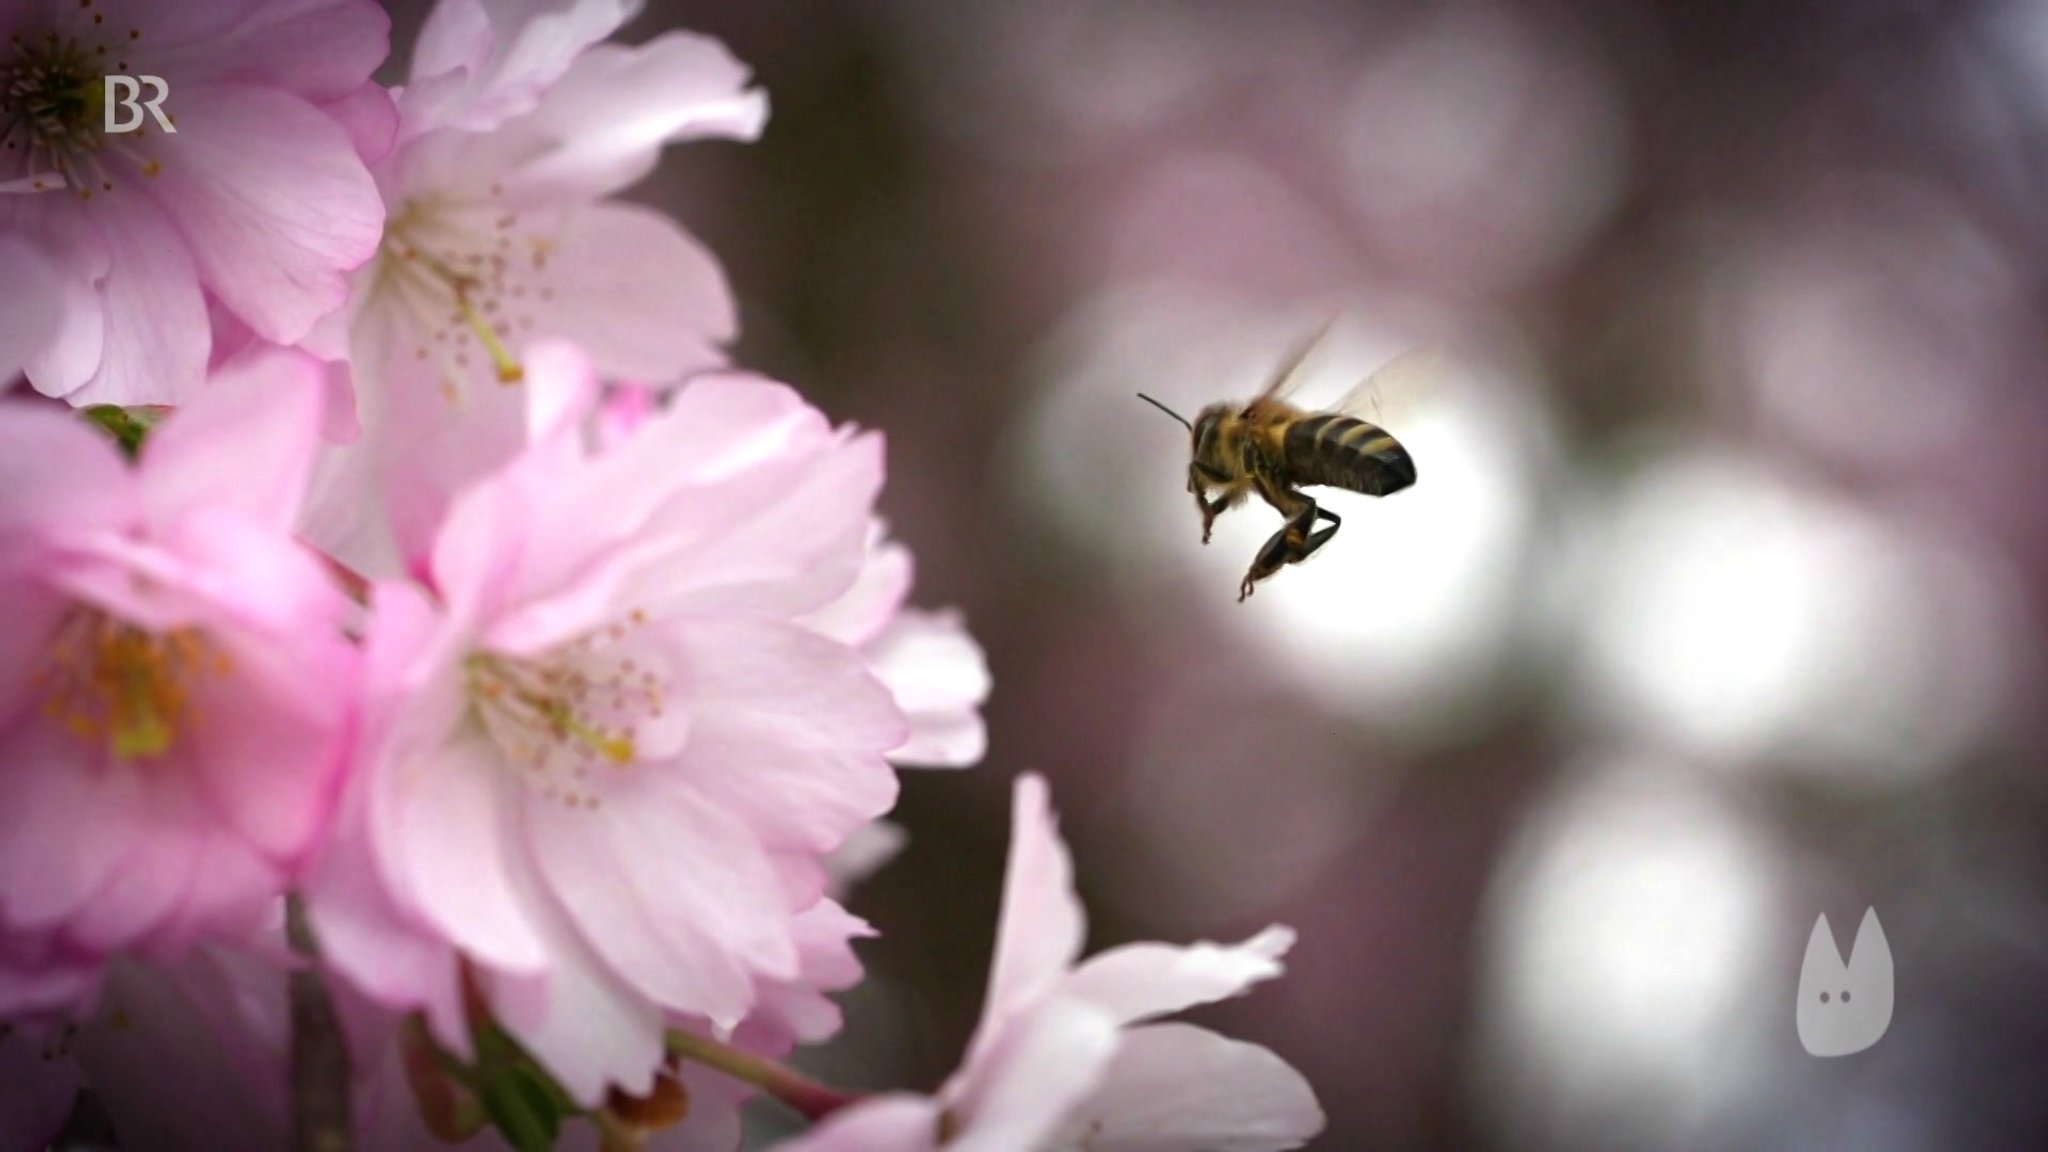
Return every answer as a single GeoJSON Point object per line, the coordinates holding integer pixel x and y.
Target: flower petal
{"type": "Point", "coordinates": [867, 608]}
{"type": "Point", "coordinates": [643, 296]}
{"type": "Point", "coordinates": [674, 895]}
{"type": "Point", "coordinates": [585, 1025]}
{"type": "Point", "coordinates": [475, 65]}
{"type": "Point", "coordinates": [67, 268]}
{"type": "Point", "coordinates": [450, 814]}
{"type": "Point", "coordinates": [57, 471]}
{"type": "Point", "coordinates": [1019, 1092]}
{"type": "Point", "coordinates": [381, 951]}
{"type": "Point", "coordinates": [274, 202]}
{"type": "Point", "coordinates": [788, 731]}
{"type": "Point", "coordinates": [38, 287]}
{"type": "Point", "coordinates": [319, 49]}
{"type": "Point", "coordinates": [1042, 923]}
{"type": "Point", "coordinates": [1173, 1087]}
{"type": "Point", "coordinates": [940, 679]}
{"type": "Point", "coordinates": [601, 127]}
{"type": "Point", "coordinates": [1140, 981]}
{"type": "Point", "coordinates": [245, 443]}
{"type": "Point", "coordinates": [155, 336]}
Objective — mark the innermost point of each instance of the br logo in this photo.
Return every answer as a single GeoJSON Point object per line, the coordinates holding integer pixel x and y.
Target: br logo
{"type": "Point", "coordinates": [1844, 1008]}
{"type": "Point", "coordinates": [124, 104]}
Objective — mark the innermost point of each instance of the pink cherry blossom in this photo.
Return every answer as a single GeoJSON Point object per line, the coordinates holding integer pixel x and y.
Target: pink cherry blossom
{"type": "Point", "coordinates": [257, 206]}
{"type": "Point", "coordinates": [928, 660]}
{"type": "Point", "coordinates": [604, 755]}
{"type": "Point", "coordinates": [1067, 1057]}
{"type": "Point", "coordinates": [176, 697]}
{"type": "Point", "coordinates": [517, 129]}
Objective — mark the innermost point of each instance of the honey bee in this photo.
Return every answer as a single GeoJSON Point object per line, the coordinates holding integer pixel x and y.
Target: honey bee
{"type": "Point", "coordinates": [1275, 449]}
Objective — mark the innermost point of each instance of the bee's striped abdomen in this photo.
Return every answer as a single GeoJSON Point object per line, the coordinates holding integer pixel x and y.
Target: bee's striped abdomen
{"type": "Point", "coordinates": [1346, 452]}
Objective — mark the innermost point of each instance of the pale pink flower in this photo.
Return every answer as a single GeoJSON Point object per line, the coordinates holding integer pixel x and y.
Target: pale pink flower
{"type": "Point", "coordinates": [928, 660]}
{"type": "Point", "coordinates": [604, 759]}
{"type": "Point", "coordinates": [1067, 1057]}
{"type": "Point", "coordinates": [517, 127]}
{"type": "Point", "coordinates": [258, 205]}
{"type": "Point", "coordinates": [176, 693]}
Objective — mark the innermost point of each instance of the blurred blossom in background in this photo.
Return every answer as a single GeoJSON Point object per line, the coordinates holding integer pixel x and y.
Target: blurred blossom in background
{"type": "Point", "coordinates": [1718, 605]}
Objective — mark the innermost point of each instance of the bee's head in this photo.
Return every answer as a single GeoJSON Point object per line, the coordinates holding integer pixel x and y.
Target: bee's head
{"type": "Point", "coordinates": [1207, 431]}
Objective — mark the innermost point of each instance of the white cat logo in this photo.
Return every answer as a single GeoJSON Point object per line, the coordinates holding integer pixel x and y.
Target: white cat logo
{"type": "Point", "coordinates": [1845, 1008]}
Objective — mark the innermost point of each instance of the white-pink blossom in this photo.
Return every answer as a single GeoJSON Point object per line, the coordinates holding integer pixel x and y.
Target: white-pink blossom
{"type": "Point", "coordinates": [517, 128]}
{"type": "Point", "coordinates": [604, 754]}
{"type": "Point", "coordinates": [256, 207]}
{"type": "Point", "coordinates": [176, 692]}
{"type": "Point", "coordinates": [1070, 1057]}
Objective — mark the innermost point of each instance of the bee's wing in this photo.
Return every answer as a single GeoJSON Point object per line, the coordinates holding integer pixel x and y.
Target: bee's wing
{"type": "Point", "coordinates": [1400, 388]}
{"type": "Point", "coordinates": [1287, 377]}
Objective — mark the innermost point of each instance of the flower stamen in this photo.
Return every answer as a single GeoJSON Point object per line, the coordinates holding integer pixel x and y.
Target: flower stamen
{"type": "Point", "coordinates": [53, 113]}
{"type": "Point", "coordinates": [110, 682]}
{"type": "Point", "coordinates": [566, 713]}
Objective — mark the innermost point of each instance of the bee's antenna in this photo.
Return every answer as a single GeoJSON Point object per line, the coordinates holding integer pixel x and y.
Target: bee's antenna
{"type": "Point", "coordinates": [1165, 409]}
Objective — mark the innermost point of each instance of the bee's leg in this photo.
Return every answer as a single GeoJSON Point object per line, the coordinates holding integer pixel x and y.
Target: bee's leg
{"type": "Point", "coordinates": [1296, 540]}
{"type": "Point", "coordinates": [1274, 555]}
{"type": "Point", "coordinates": [1321, 536]}
{"type": "Point", "coordinates": [1200, 479]}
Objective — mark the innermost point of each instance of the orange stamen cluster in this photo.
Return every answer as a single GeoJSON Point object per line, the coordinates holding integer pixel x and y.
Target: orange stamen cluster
{"type": "Point", "coordinates": [571, 711]}
{"type": "Point", "coordinates": [111, 683]}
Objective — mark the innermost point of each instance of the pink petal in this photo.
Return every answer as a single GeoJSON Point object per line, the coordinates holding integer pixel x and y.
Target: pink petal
{"type": "Point", "coordinates": [1042, 923]}
{"type": "Point", "coordinates": [940, 679]}
{"type": "Point", "coordinates": [474, 65]}
{"type": "Point", "coordinates": [56, 471]}
{"type": "Point", "coordinates": [274, 202]}
{"type": "Point", "coordinates": [1016, 1094]}
{"type": "Point", "coordinates": [383, 953]}
{"type": "Point", "coordinates": [42, 986]}
{"type": "Point", "coordinates": [445, 819]}
{"type": "Point", "coordinates": [154, 341]}
{"type": "Point", "coordinates": [584, 1024]}
{"type": "Point", "coordinates": [867, 608]}
{"type": "Point", "coordinates": [25, 641]}
{"type": "Point", "coordinates": [673, 895]}
{"type": "Point", "coordinates": [601, 127]}
{"type": "Point", "coordinates": [893, 1123]}
{"type": "Point", "coordinates": [29, 324]}
{"type": "Point", "coordinates": [788, 732]}
{"type": "Point", "coordinates": [370, 117]}
{"type": "Point", "coordinates": [865, 852]}
{"type": "Point", "coordinates": [1173, 1087]}
{"type": "Point", "coordinates": [645, 297]}
{"type": "Point", "coordinates": [68, 827]}
{"type": "Point", "coordinates": [1140, 981]}
{"type": "Point", "coordinates": [318, 49]}
{"type": "Point", "coordinates": [800, 1010]}
{"type": "Point", "coordinates": [760, 546]}
{"type": "Point", "coordinates": [271, 752]}
{"type": "Point", "coordinates": [245, 442]}
{"type": "Point", "coordinates": [72, 262]}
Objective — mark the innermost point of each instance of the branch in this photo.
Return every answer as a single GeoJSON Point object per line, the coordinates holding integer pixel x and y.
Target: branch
{"type": "Point", "coordinates": [319, 1059]}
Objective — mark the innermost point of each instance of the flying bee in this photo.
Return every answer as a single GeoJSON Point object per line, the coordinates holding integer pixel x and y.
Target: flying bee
{"type": "Point", "coordinates": [1275, 449]}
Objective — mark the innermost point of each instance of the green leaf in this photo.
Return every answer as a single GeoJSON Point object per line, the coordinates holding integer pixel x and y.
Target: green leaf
{"type": "Point", "coordinates": [524, 1109]}
{"type": "Point", "coordinates": [127, 426]}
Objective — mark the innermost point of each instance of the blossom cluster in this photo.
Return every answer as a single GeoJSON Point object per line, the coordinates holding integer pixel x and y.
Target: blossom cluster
{"type": "Point", "coordinates": [408, 594]}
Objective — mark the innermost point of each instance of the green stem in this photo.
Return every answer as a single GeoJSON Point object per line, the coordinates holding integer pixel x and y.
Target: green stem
{"type": "Point", "coordinates": [813, 1100]}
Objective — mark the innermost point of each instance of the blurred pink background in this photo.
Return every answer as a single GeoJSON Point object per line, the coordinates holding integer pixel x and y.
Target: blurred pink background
{"type": "Point", "coordinates": [1719, 604]}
